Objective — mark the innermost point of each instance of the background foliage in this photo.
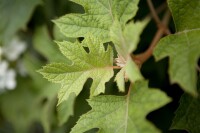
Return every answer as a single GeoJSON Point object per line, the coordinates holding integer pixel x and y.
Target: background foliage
{"type": "Point", "coordinates": [32, 106]}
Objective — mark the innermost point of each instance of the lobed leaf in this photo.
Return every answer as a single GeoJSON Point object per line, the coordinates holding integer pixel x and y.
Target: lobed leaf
{"type": "Point", "coordinates": [123, 114]}
{"type": "Point", "coordinates": [183, 47]}
{"type": "Point", "coordinates": [98, 17]}
{"type": "Point", "coordinates": [126, 39]}
{"type": "Point", "coordinates": [97, 64]}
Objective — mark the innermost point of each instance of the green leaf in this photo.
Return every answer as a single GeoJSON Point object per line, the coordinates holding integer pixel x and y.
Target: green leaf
{"type": "Point", "coordinates": [24, 106]}
{"type": "Point", "coordinates": [186, 117]}
{"type": "Point", "coordinates": [65, 109]}
{"type": "Point", "coordinates": [126, 39]}
{"type": "Point", "coordinates": [14, 14]}
{"type": "Point", "coordinates": [183, 47]}
{"type": "Point", "coordinates": [44, 44]}
{"type": "Point", "coordinates": [97, 64]}
{"type": "Point", "coordinates": [185, 14]}
{"type": "Point", "coordinates": [120, 80]}
{"type": "Point", "coordinates": [132, 71]}
{"type": "Point", "coordinates": [98, 17]}
{"type": "Point", "coordinates": [123, 114]}
{"type": "Point", "coordinates": [58, 36]}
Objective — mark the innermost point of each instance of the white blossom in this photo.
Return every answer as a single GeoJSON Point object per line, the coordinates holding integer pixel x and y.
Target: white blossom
{"type": "Point", "coordinates": [13, 50]}
{"type": "Point", "coordinates": [7, 77]}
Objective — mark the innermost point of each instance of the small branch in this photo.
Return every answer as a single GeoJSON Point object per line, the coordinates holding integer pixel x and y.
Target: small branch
{"type": "Point", "coordinates": [141, 58]}
{"type": "Point", "coordinates": [158, 10]}
{"type": "Point", "coordinates": [157, 19]}
{"type": "Point", "coordinates": [116, 67]}
{"type": "Point", "coordinates": [153, 12]}
{"type": "Point", "coordinates": [198, 68]}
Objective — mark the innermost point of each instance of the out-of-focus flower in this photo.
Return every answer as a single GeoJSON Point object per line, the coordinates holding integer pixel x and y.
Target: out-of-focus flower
{"type": "Point", "coordinates": [7, 77]}
{"type": "Point", "coordinates": [13, 49]}
{"type": "Point", "coordinates": [11, 52]}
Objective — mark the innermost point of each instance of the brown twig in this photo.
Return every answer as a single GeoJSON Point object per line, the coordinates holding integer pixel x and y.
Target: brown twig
{"type": "Point", "coordinates": [156, 18]}
{"type": "Point", "coordinates": [153, 12]}
{"type": "Point", "coordinates": [198, 68]}
{"type": "Point", "coordinates": [141, 58]}
{"type": "Point", "coordinates": [158, 10]}
{"type": "Point", "coordinates": [116, 67]}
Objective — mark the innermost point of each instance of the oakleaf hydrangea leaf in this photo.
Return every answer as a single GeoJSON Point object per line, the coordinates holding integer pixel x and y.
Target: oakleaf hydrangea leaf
{"type": "Point", "coordinates": [132, 71]}
{"type": "Point", "coordinates": [187, 113]}
{"type": "Point", "coordinates": [183, 47]}
{"type": "Point", "coordinates": [97, 64]}
{"type": "Point", "coordinates": [14, 14]}
{"type": "Point", "coordinates": [120, 80]}
{"type": "Point", "coordinates": [126, 39]}
{"type": "Point", "coordinates": [98, 17]}
{"type": "Point", "coordinates": [123, 114]}
{"type": "Point", "coordinates": [185, 14]}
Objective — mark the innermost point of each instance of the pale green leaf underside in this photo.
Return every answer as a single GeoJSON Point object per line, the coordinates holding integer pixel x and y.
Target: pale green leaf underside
{"type": "Point", "coordinates": [98, 18]}
{"type": "Point", "coordinates": [14, 14]}
{"type": "Point", "coordinates": [126, 39]}
{"type": "Point", "coordinates": [123, 114]}
{"type": "Point", "coordinates": [132, 71]}
{"type": "Point", "coordinates": [187, 114]}
{"type": "Point", "coordinates": [120, 79]}
{"type": "Point", "coordinates": [184, 51]}
{"type": "Point", "coordinates": [97, 64]}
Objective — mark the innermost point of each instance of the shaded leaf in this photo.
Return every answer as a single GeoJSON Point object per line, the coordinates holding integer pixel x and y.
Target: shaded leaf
{"type": "Point", "coordinates": [65, 109]}
{"type": "Point", "coordinates": [186, 117]}
{"type": "Point", "coordinates": [44, 44]}
{"type": "Point", "coordinates": [183, 47]}
{"type": "Point", "coordinates": [14, 14]}
{"type": "Point", "coordinates": [185, 14]}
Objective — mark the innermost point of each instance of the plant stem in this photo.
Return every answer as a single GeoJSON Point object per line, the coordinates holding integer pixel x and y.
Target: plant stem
{"type": "Point", "coordinates": [141, 58]}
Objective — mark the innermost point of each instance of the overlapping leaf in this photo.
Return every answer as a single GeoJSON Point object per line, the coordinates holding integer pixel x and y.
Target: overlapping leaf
{"type": "Point", "coordinates": [98, 18]}
{"type": "Point", "coordinates": [187, 114]}
{"type": "Point", "coordinates": [183, 47]}
{"type": "Point", "coordinates": [123, 114]}
{"type": "Point", "coordinates": [125, 41]}
{"type": "Point", "coordinates": [44, 44]}
{"type": "Point", "coordinates": [127, 38]}
{"type": "Point", "coordinates": [97, 64]}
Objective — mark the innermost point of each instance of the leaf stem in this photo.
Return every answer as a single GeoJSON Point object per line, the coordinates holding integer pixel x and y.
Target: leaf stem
{"type": "Point", "coordinates": [141, 58]}
{"type": "Point", "coordinates": [116, 67]}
